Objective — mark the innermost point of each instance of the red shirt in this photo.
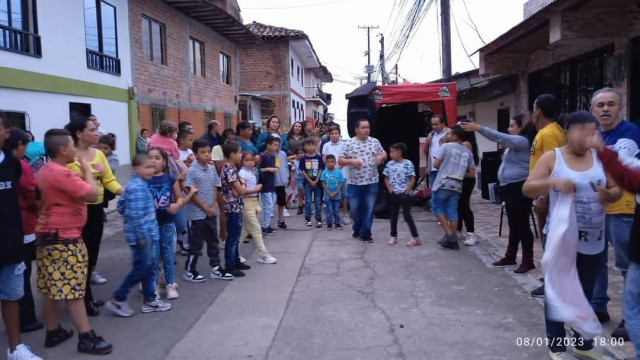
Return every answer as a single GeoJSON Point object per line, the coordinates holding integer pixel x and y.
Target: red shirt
{"type": "Point", "coordinates": [63, 209]}
{"type": "Point", "coordinates": [27, 198]}
{"type": "Point", "coordinates": [167, 144]}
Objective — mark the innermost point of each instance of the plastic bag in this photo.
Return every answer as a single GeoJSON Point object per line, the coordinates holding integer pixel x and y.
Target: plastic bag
{"type": "Point", "coordinates": [565, 300]}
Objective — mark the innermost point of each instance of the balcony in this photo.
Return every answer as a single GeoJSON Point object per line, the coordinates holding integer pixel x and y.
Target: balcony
{"type": "Point", "coordinates": [102, 62]}
{"type": "Point", "coordinates": [315, 94]}
{"type": "Point", "coordinates": [21, 42]}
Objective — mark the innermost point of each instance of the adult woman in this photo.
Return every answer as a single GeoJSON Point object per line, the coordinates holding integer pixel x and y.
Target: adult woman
{"type": "Point", "coordinates": [143, 139]}
{"type": "Point", "coordinates": [512, 173]}
{"type": "Point", "coordinates": [465, 215]}
{"type": "Point", "coordinates": [85, 135]}
{"type": "Point", "coordinates": [165, 139]}
{"type": "Point", "coordinates": [273, 127]}
{"type": "Point", "coordinates": [296, 137]}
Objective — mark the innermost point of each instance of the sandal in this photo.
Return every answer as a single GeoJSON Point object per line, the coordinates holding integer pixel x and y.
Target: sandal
{"type": "Point", "coordinates": [414, 242]}
{"type": "Point", "coordinates": [392, 241]}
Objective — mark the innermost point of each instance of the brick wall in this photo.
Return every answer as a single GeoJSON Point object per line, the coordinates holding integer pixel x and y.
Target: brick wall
{"type": "Point", "coordinates": [185, 95]}
{"type": "Point", "coordinates": [264, 69]}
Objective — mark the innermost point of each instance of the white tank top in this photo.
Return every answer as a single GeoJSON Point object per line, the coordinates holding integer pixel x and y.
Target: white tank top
{"type": "Point", "coordinates": [589, 212]}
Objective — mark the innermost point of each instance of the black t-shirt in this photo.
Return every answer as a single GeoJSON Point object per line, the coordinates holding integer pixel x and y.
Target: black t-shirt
{"type": "Point", "coordinates": [267, 179]}
{"type": "Point", "coordinates": [12, 237]}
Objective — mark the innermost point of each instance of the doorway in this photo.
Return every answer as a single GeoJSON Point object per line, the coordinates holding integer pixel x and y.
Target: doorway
{"type": "Point", "coordinates": [504, 116]}
{"type": "Point", "coordinates": [634, 81]}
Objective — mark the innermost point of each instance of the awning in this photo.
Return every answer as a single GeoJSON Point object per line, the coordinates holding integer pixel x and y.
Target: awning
{"type": "Point", "coordinates": [422, 93]}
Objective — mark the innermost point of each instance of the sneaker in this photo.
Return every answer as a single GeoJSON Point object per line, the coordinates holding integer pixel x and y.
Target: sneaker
{"type": "Point", "coordinates": [561, 355]}
{"type": "Point", "coordinates": [451, 242]}
{"type": "Point", "coordinates": [282, 224]}
{"type": "Point", "coordinates": [346, 220]}
{"type": "Point", "coordinates": [155, 306]}
{"type": "Point", "coordinates": [414, 242]}
{"type": "Point", "coordinates": [90, 343]}
{"type": "Point", "coordinates": [594, 354]}
{"type": "Point", "coordinates": [236, 273]}
{"type": "Point", "coordinates": [285, 212]}
{"type": "Point", "coordinates": [243, 266]}
{"type": "Point", "coordinates": [338, 227]}
{"type": "Point", "coordinates": [329, 226]}
{"type": "Point", "coordinates": [367, 240]}
{"type": "Point", "coordinates": [31, 327]}
{"type": "Point", "coordinates": [97, 279]}
{"type": "Point", "coordinates": [22, 352]}
{"type": "Point", "coordinates": [355, 235]}
{"type": "Point", "coordinates": [470, 239]}
{"type": "Point", "coordinates": [120, 308]}
{"type": "Point", "coordinates": [319, 223]}
{"type": "Point", "coordinates": [272, 230]}
{"type": "Point", "coordinates": [267, 232]}
{"type": "Point", "coordinates": [392, 241]}
{"type": "Point", "coordinates": [193, 277]}
{"type": "Point", "coordinates": [300, 211]}
{"type": "Point", "coordinates": [218, 273]}
{"type": "Point", "coordinates": [504, 262]}
{"type": "Point", "coordinates": [172, 291]}
{"type": "Point", "coordinates": [523, 269]}
{"type": "Point", "coordinates": [603, 317]}
{"type": "Point", "coordinates": [461, 235]}
{"type": "Point", "coordinates": [266, 258]}
{"type": "Point", "coordinates": [308, 222]}
{"type": "Point", "coordinates": [243, 260]}
{"type": "Point", "coordinates": [539, 292]}
{"type": "Point", "coordinates": [442, 240]}
{"type": "Point", "coordinates": [57, 336]}
{"type": "Point", "coordinates": [620, 332]}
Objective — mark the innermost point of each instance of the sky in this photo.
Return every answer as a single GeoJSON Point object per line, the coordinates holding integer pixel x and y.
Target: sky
{"type": "Point", "coordinates": [332, 26]}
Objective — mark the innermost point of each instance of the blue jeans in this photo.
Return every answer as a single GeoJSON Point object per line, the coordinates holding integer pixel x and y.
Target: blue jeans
{"type": "Point", "coordinates": [181, 222]}
{"type": "Point", "coordinates": [234, 230]}
{"type": "Point", "coordinates": [617, 231]}
{"type": "Point", "coordinates": [309, 191]}
{"type": "Point", "coordinates": [587, 272]}
{"type": "Point", "coordinates": [445, 202]}
{"type": "Point", "coordinates": [332, 210]}
{"type": "Point", "coordinates": [361, 200]}
{"type": "Point", "coordinates": [143, 271]}
{"type": "Point", "coordinates": [164, 251]}
{"type": "Point", "coordinates": [432, 179]}
{"type": "Point", "coordinates": [631, 305]}
{"type": "Point", "coordinates": [267, 201]}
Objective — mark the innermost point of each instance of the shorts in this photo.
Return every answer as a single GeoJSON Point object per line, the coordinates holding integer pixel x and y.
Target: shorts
{"type": "Point", "coordinates": [62, 270]}
{"type": "Point", "coordinates": [11, 282]}
{"type": "Point", "coordinates": [281, 196]}
{"type": "Point", "coordinates": [300, 182]}
{"type": "Point", "coordinates": [445, 202]}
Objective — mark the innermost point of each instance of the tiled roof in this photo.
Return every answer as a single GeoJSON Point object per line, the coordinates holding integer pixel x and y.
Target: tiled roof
{"type": "Point", "coordinates": [269, 32]}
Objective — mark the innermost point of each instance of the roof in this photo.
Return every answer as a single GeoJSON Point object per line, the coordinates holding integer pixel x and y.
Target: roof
{"type": "Point", "coordinates": [216, 18]}
{"type": "Point", "coordinates": [270, 32]}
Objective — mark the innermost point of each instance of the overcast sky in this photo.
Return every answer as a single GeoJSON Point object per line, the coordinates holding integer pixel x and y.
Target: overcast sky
{"type": "Point", "coordinates": [332, 26]}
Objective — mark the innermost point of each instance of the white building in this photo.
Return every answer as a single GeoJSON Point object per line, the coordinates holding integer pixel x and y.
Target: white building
{"type": "Point", "coordinates": [64, 59]}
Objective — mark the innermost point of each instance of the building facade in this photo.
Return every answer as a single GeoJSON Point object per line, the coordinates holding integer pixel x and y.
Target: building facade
{"type": "Point", "coordinates": [53, 69]}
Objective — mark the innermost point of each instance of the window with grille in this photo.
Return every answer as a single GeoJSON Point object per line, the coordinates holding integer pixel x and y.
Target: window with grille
{"type": "Point", "coordinates": [158, 115]}
{"type": "Point", "coordinates": [154, 40]}
{"type": "Point", "coordinates": [227, 121]}
{"type": "Point", "coordinates": [225, 69]}
{"type": "Point", "coordinates": [208, 116]}
{"type": "Point", "coordinates": [196, 56]}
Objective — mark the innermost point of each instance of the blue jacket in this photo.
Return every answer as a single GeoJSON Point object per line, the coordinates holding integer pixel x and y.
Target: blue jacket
{"type": "Point", "coordinates": [284, 145]}
{"type": "Point", "coordinates": [623, 139]}
{"type": "Point", "coordinates": [138, 210]}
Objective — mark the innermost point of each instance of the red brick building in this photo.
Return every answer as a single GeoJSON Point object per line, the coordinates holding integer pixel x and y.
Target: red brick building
{"type": "Point", "coordinates": [185, 60]}
{"type": "Point", "coordinates": [282, 75]}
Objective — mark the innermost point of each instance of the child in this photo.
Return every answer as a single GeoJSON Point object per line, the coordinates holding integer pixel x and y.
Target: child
{"type": "Point", "coordinates": [60, 248]}
{"type": "Point", "coordinates": [334, 147]}
{"type": "Point", "coordinates": [332, 183]}
{"type": "Point", "coordinates": [399, 178]}
{"type": "Point", "coordinates": [311, 166]}
{"type": "Point", "coordinates": [250, 224]}
{"type": "Point", "coordinates": [454, 162]}
{"type": "Point", "coordinates": [185, 142]}
{"type": "Point", "coordinates": [202, 215]}
{"type": "Point", "coordinates": [141, 233]}
{"type": "Point", "coordinates": [299, 178]}
{"type": "Point", "coordinates": [12, 268]}
{"type": "Point", "coordinates": [107, 144]}
{"type": "Point", "coordinates": [233, 189]}
{"type": "Point", "coordinates": [168, 200]}
{"type": "Point", "coordinates": [268, 172]}
{"type": "Point", "coordinates": [282, 180]}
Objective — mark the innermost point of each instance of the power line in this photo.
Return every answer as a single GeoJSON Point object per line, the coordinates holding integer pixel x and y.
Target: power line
{"type": "Point", "coordinates": [455, 24]}
{"type": "Point", "coordinates": [474, 27]}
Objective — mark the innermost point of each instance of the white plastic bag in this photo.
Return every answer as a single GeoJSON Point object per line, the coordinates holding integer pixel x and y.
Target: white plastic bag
{"type": "Point", "coordinates": [565, 300]}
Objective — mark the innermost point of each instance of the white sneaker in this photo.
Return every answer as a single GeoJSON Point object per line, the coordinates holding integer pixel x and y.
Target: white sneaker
{"type": "Point", "coordinates": [155, 306]}
{"type": "Point", "coordinates": [172, 292]}
{"type": "Point", "coordinates": [470, 240]}
{"type": "Point", "coordinates": [266, 258]}
{"type": "Point", "coordinates": [346, 220]}
{"type": "Point", "coordinates": [242, 260]}
{"type": "Point", "coordinates": [22, 352]}
{"type": "Point", "coordinates": [97, 279]}
{"type": "Point", "coordinates": [286, 213]}
{"type": "Point", "coordinates": [120, 308]}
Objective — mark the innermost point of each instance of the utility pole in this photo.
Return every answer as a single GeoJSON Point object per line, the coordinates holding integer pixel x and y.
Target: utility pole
{"type": "Point", "coordinates": [383, 70]}
{"type": "Point", "coordinates": [368, 53]}
{"type": "Point", "coordinates": [445, 21]}
{"type": "Point", "coordinates": [397, 76]}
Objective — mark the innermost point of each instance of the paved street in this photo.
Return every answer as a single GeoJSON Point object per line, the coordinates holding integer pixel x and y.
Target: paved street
{"type": "Point", "coordinates": [332, 297]}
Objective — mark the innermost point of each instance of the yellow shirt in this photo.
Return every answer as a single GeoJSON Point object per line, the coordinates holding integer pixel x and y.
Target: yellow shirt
{"type": "Point", "coordinates": [547, 139]}
{"type": "Point", "coordinates": [101, 172]}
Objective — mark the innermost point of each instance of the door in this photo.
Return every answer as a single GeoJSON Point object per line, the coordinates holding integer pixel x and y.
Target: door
{"type": "Point", "coordinates": [634, 81]}
{"type": "Point", "coordinates": [504, 116]}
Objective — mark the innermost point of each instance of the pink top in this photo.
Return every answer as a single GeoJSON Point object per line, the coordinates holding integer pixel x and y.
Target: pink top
{"type": "Point", "coordinates": [167, 144]}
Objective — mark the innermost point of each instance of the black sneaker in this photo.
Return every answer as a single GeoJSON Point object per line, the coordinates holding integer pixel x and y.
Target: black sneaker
{"type": "Point", "coordinates": [451, 242]}
{"type": "Point", "coordinates": [308, 222]}
{"type": "Point", "coordinates": [218, 273]}
{"type": "Point", "coordinates": [266, 232]}
{"type": "Point", "coordinates": [338, 227]}
{"type": "Point", "coordinates": [92, 309]}
{"type": "Point", "coordinates": [90, 343]}
{"type": "Point", "coordinates": [355, 235]}
{"type": "Point", "coordinates": [367, 240]}
{"type": "Point", "coordinates": [31, 327]}
{"type": "Point", "coordinates": [300, 211]}
{"type": "Point", "coordinates": [282, 224]}
{"type": "Point", "coordinates": [272, 229]}
{"type": "Point", "coordinates": [236, 273]}
{"type": "Point", "coordinates": [242, 266]}
{"type": "Point", "coordinates": [329, 226]}
{"type": "Point", "coordinates": [539, 292]}
{"type": "Point", "coordinates": [318, 222]}
{"type": "Point", "coordinates": [603, 317]}
{"type": "Point", "coordinates": [193, 276]}
{"type": "Point", "coordinates": [620, 332]}
{"type": "Point", "coordinates": [57, 336]}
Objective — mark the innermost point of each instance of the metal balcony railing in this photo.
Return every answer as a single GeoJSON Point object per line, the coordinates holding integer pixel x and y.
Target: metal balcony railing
{"type": "Point", "coordinates": [315, 93]}
{"type": "Point", "coordinates": [102, 62]}
{"type": "Point", "coordinates": [19, 41]}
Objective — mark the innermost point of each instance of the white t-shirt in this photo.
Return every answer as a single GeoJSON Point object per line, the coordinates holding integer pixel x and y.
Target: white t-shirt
{"type": "Point", "coordinates": [184, 154]}
{"type": "Point", "coordinates": [249, 179]}
{"type": "Point", "coordinates": [435, 146]}
{"type": "Point", "coordinates": [335, 149]}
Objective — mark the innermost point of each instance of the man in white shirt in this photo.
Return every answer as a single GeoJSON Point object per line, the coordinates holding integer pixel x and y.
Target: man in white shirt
{"type": "Point", "coordinates": [439, 130]}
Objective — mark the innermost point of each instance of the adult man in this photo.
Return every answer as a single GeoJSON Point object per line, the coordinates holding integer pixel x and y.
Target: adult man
{"type": "Point", "coordinates": [244, 130]}
{"type": "Point", "coordinates": [439, 131]}
{"type": "Point", "coordinates": [550, 136]}
{"type": "Point", "coordinates": [185, 125]}
{"type": "Point", "coordinates": [362, 155]}
{"type": "Point", "coordinates": [212, 135]}
{"type": "Point", "coordinates": [624, 138]}
{"type": "Point", "coordinates": [325, 138]}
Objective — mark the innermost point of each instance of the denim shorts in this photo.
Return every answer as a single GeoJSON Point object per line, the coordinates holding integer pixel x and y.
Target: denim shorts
{"type": "Point", "coordinates": [445, 202]}
{"type": "Point", "coordinates": [11, 282]}
{"type": "Point", "coordinates": [300, 181]}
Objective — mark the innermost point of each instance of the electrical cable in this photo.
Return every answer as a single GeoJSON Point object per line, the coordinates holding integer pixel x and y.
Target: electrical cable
{"type": "Point", "coordinates": [474, 27]}
{"type": "Point", "coordinates": [455, 24]}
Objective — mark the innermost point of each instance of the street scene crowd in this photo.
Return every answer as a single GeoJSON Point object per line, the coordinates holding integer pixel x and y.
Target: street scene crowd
{"type": "Point", "coordinates": [230, 186]}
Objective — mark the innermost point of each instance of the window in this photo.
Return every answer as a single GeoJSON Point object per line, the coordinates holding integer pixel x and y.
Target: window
{"type": "Point", "coordinates": [16, 119]}
{"type": "Point", "coordinates": [18, 27]}
{"type": "Point", "coordinates": [208, 116]}
{"type": "Point", "coordinates": [225, 70]}
{"type": "Point", "coordinates": [79, 111]}
{"type": "Point", "coordinates": [302, 77]}
{"type": "Point", "coordinates": [100, 32]}
{"type": "Point", "coordinates": [153, 40]}
{"type": "Point", "coordinates": [158, 115]}
{"type": "Point", "coordinates": [227, 121]}
{"type": "Point", "coordinates": [196, 56]}
{"type": "Point", "coordinates": [298, 72]}
{"type": "Point", "coordinates": [291, 67]}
